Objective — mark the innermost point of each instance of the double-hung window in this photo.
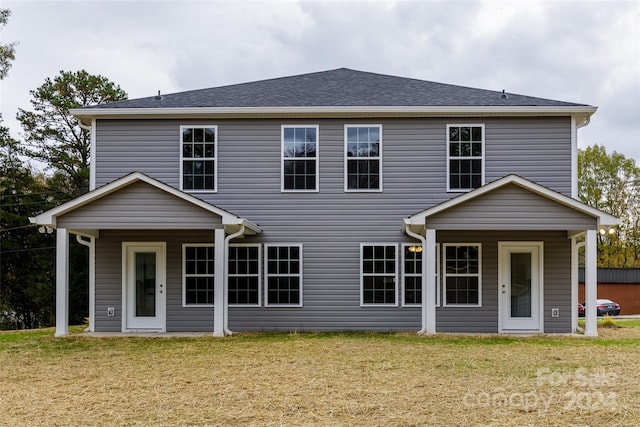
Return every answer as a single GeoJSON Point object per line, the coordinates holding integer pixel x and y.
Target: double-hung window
{"type": "Point", "coordinates": [412, 274]}
{"type": "Point", "coordinates": [463, 274]}
{"type": "Point", "coordinates": [198, 158]}
{"type": "Point", "coordinates": [363, 157]}
{"type": "Point", "coordinates": [378, 268]}
{"type": "Point", "coordinates": [198, 274]}
{"type": "Point", "coordinates": [299, 158]}
{"type": "Point", "coordinates": [244, 274]}
{"type": "Point", "coordinates": [284, 274]}
{"type": "Point", "coordinates": [465, 157]}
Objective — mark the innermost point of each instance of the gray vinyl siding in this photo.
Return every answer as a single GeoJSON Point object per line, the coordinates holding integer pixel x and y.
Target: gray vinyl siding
{"type": "Point", "coordinates": [330, 224]}
{"type": "Point", "coordinates": [557, 281]}
{"type": "Point", "coordinates": [140, 206]}
{"type": "Point", "coordinates": [511, 208]}
{"type": "Point", "coordinates": [557, 284]}
{"type": "Point", "coordinates": [332, 295]}
{"type": "Point", "coordinates": [109, 278]}
{"type": "Point", "coordinates": [538, 149]}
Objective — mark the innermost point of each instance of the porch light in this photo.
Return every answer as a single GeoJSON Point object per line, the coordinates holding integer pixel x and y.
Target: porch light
{"type": "Point", "coordinates": [415, 248]}
{"type": "Point", "coordinates": [45, 230]}
{"type": "Point", "coordinates": [610, 231]}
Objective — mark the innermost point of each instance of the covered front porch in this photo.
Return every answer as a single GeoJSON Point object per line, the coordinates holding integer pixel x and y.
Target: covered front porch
{"type": "Point", "coordinates": [522, 274]}
{"type": "Point", "coordinates": [139, 224]}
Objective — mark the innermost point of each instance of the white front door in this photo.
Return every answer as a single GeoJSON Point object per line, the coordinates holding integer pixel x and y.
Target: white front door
{"type": "Point", "coordinates": [520, 285]}
{"type": "Point", "coordinates": [144, 291]}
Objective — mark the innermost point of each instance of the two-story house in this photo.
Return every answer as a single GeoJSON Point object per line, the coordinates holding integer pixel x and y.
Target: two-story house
{"type": "Point", "coordinates": [337, 200]}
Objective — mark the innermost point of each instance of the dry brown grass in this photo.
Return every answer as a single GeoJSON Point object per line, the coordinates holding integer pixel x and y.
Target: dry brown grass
{"type": "Point", "coordinates": [321, 379]}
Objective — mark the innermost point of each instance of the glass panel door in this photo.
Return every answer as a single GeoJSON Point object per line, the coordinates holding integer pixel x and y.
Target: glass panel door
{"type": "Point", "coordinates": [520, 288]}
{"type": "Point", "coordinates": [145, 276]}
{"type": "Point", "coordinates": [145, 300]}
{"type": "Point", "coordinates": [520, 284]}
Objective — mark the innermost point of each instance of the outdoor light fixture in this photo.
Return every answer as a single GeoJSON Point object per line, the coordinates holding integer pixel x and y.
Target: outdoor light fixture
{"type": "Point", "coordinates": [611, 231]}
{"type": "Point", "coordinates": [45, 230]}
{"type": "Point", "coordinates": [415, 248]}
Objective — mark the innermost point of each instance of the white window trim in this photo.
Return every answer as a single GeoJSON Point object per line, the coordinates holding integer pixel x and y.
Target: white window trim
{"type": "Point", "coordinates": [484, 143]}
{"type": "Point", "coordinates": [267, 274]}
{"type": "Point", "coordinates": [346, 159]}
{"type": "Point", "coordinates": [254, 245]}
{"type": "Point", "coordinates": [283, 158]}
{"type": "Point", "coordinates": [395, 276]}
{"type": "Point", "coordinates": [215, 158]}
{"type": "Point", "coordinates": [445, 275]}
{"type": "Point", "coordinates": [184, 273]}
{"type": "Point", "coordinates": [404, 275]}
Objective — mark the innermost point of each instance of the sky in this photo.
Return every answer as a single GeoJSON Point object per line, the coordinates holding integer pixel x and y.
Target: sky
{"type": "Point", "coordinates": [583, 51]}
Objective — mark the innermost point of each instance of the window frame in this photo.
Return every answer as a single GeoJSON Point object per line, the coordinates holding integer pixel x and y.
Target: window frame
{"type": "Point", "coordinates": [346, 159]}
{"type": "Point", "coordinates": [294, 159]}
{"type": "Point", "coordinates": [258, 274]}
{"type": "Point", "coordinates": [216, 165]}
{"type": "Point", "coordinates": [449, 157]}
{"type": "Point", "coordinates": [445, 275]}
{"type": "Point", "coordinates": [267, 274]}
{"type": "Point", "coordinates": [395, 276]}
{"type": "Point", "coordinates": [184, 273]}
{"type": "Point", "coordinates": [404, 276]}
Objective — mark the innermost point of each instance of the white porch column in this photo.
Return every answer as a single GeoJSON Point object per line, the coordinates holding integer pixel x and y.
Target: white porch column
{"type": "Point", "coordinates": [429, 283]}
{"type": "Point", "coordinates": [62, 282]}
{"type": "Point", "coordinates": [590, 283]}
{"type": "Point", "coordinates": [218, 287]}
{"type": "Point", "coordinates": [91, 246]}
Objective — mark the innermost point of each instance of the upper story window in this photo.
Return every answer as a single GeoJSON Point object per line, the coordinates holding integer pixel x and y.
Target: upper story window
{"type": "Point", "coordinates": [363, 157]}
{"type": "Point", "coordinates": [465, 157]}
{"type": "Point", "coordinates": [299, 158]}
{"type": "Point", "coordinates": [198, 158]}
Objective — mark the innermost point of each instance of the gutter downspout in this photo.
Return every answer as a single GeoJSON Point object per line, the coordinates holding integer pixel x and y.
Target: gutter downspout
{"type": "Point", "coordinates": [91, 244]}
{"type": "Point", "coordinates": [225, 302]}
{"type": "Point", "coordinates": [575, 125]}
{"type": "Point", "coordinates": [575, 283]}
{"type": "Point", "coordinates": [423, 241]}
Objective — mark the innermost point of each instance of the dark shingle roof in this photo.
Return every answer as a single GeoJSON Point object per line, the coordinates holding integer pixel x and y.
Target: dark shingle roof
{"type": "Point", "coordinates": [342, 87]}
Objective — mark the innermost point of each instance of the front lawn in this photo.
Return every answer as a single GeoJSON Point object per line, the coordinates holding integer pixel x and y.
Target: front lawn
{"type": "Point", "coordinates": [320, 379]}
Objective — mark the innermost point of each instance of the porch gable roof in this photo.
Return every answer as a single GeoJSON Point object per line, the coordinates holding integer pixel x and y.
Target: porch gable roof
{"type": "Point", "coordinates": [49, 218]}
{"type": "Point", "coordinates": [601, 218]}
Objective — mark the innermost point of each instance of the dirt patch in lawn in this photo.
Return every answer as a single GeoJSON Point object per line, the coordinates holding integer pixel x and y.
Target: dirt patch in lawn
{"type": "Point", "coordinates": [321, 379]}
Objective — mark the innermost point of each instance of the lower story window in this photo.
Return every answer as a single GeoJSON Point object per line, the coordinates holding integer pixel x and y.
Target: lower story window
{"type": "Point", "coordinates": [412, 274]}
{"type": "Point", "coordinates": [198, 274]}
{"type": "Point", "coordinates": [462, 274]}
{"type": "Point", "coordinates": [244, 274]}
{"type": "Point", "coordinates": [378, 278]}
{"type": "Point", "coordinates": [284, 274]}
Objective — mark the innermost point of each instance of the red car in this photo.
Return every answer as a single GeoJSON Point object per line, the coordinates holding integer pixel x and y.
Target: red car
{"type": "Point", "coordinates": [580, 310]}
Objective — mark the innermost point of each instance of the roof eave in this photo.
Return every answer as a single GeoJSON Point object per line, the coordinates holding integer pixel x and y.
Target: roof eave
{"type": "Point", "coordinates": [86, 114]}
